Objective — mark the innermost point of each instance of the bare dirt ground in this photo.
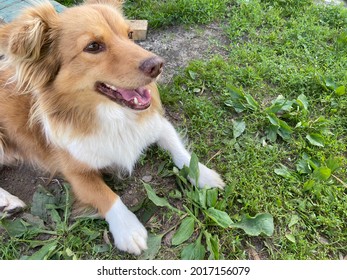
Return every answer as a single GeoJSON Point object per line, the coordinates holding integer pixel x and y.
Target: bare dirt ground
{"type": "Point", "coordinates": [178, 46]}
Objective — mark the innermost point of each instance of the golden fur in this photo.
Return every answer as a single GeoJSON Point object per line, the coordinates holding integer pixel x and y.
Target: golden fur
{"type": "Point", "coordinates": [42, 43]}
{"type": "Point", "coordinates": [53, 115]}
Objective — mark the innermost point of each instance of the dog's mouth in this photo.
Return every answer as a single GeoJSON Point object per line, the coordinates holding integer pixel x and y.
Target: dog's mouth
{"type": "Point", "coordinates": [136, 99]}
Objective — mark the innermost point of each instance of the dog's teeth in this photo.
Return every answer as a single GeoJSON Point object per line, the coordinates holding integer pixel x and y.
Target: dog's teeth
{"type": "Point", "coordinates": [111, 87]}
{"type": "Point", "coordinates": [136, 102]}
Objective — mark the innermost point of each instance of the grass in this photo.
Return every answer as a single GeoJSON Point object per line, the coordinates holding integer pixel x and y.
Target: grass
{"type": "Point", "coordinates": [285, 156]}
{"type": "Point", "coordinates": [169, 13]}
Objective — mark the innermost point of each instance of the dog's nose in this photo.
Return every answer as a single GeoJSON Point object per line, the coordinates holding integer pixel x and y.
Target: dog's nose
{"type": "Point", "coordinates": [152, 66]}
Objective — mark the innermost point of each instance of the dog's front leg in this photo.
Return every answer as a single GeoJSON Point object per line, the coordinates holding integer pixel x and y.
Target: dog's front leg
{"type": "Point", "coordinates": [128, 233]}
{"type": "Point", "coordinates": [9, 203]}
{"type": "Point", "coordinates": [170, 141]}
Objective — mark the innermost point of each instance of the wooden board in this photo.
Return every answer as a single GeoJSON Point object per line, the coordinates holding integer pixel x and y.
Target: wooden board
{"type": "Point", "coordinates": [139, 29]}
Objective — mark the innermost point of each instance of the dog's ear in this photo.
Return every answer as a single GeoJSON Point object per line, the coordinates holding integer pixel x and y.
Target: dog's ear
{"type": "Point", "coordinates": [26, 36]}
{"type": "Point", "coordinates": [28, 43]}
{"type": "Point", "coordinates": [115, 3]}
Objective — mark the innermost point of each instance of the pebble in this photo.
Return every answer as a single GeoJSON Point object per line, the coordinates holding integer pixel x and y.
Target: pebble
{"type": "Point", "coordinates": [147, 178]}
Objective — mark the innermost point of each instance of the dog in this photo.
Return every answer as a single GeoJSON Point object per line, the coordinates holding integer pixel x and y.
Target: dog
{"type": "Point", "coordinates": [78, 96]}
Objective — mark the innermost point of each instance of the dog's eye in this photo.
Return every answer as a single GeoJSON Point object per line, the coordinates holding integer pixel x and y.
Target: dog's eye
{"type": "Point", "coordinates": [94, 47]}
{"type": "Point", "coordinates": [130, 34]}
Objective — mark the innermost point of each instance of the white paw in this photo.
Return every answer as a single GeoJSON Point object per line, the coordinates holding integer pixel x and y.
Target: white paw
{"type": "Point", "coordinates": [128, 233]}
{"type": "Point", "coordinates": [209, 178]}
{"type": "Point", "coordinates": [9, 202]}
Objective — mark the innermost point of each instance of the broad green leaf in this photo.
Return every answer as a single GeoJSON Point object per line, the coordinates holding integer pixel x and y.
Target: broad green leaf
{"type": "Point", "coordinates": [184, 232]}
{"type": "Point", "coordinates": [147, 211]}
{"type": "Point", "coordinates": [221, 218]}
{"type": "Point", "coordinates": [280, 104]}
{"type": "Point", "coordinates": [91, 234]}
{"type": "Point", "coordinates": [285, 135]}
{"type": "Point", "coordinates": [192, 74]}
{"type": "Point", "coordinates": [287, 106]}
{"type": "Point", "coordinates": [14, 228]}
{"type": "Point", "coordinates": [238, 107]}
{"type": "Point", "coordinates": [290, 237]}
{"type": "Point", "coordinates": [309, 185]}
{"type": "Point", "coordinates": [252, 104]}
{"type": "Point", "coordinates": [283, 171]}
{"type": "Point", "coordinates": [202, 193]}
{"type": "Point", "coordinates": [54, 215]}
{"type": "Point", "coordinates": [45, 252]}
{"type": "Point", "coordinates": [277, 105]}
{"type": "Point", "coordinates": [175, 193]}
{"type": "Point", "coordinates": [236, 93]}
{"type": "Point", "coordinates": [322, 173]}
{"type": "Point", "coordinates": [212, 243]}
{"type": "Point", "coordinates": [194, 251]}
{"type": "Point", "coordinates": [284, 126]}
{"type": "Point", "coordinates": [212, 197]}
{"type": "Point", "coordinates": [194, 168]}
{"type": "Point", "coordinates": [194, 196]}
{"type": "Point", "coordinates": [154, 244]}
{"type": "Point", "coordinates": [329, 83]}
{"type": "Point", "coordinates": [299, 124]}
{"type": "Point", "coordinates": [229, 189]}
{"type": "Point", "coordinates": [303, 102]}
{"type": "Point", "coordinates": [315, 139]}
{"type": "Point", "coordinates": [237, 99]}
{"type": "Point", "coordinates": [321, 120]}
{"type": "Point", "coordinates": [334, 163]}
{"type": "Point", "coordinates": [271, 133]}
{"type": "Point", "coordinates": [294, 220]}
{"type": "Point", "coordinates": [41, 198]}
{"type": "Point", "coordinates": [158, 201]}
{"type": "Point", "coordinates": [254, 226]}
{"type": "Point", "coordinates": [34, 221]}
{"type": "Point", "coordinates": [275, 108]}
{"type": "Point", "coordinates": [284, 131]}
{"type": "Point", "coordinates": [71, 255]}
{"type": "Point", "coordinates": [341, 90]}
{"type": "Point", "coordinates": [273, 119]}
{"type": "Point", "coordinates": [314, 163]}
{"type": "Point", "coordinates": [239, 127]}
{"type": "Point", "coordinates": [303, 167]}
{"type": "Point", "coordinates": [181, 174]}
{"type": "Point", "coordinates": [101, 248]}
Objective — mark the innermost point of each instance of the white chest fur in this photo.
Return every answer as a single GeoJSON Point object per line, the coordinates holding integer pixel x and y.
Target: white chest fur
{"type": "Point", "coordinates": [119, 140]}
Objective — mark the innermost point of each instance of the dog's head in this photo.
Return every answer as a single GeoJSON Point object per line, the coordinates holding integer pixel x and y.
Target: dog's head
{"type": "Point", "coordinates": [85, 49]}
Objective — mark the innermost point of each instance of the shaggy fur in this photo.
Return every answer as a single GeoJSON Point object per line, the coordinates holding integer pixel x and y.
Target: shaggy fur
{"type": "Point", "coordinates": [78, 96]}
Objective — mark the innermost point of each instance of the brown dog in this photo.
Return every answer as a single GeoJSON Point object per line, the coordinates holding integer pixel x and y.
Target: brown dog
{"type": "Point", "coordinates": [78, 96]}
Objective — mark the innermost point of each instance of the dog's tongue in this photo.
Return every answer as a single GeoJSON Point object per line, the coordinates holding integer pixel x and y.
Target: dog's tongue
{"type": "Point", "coordinates": [142, 95]}
{"type": "Point", "coordinates": [137, 99]}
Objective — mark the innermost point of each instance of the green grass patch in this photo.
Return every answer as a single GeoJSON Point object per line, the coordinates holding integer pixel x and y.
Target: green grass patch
{"type": "Point", "coordinates": [169, 13]}
{"type": "Point", "coordinates": [69, 2]}
{"type": "Point", "coordinates": [274, 113]}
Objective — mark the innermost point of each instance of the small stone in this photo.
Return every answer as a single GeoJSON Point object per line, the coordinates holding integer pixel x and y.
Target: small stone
{"type": "Point", "coordinates": [147, 178]}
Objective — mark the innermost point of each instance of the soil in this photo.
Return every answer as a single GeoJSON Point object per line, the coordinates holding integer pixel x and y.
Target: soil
{"type": "Point", "coordinates": [177, 45]}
